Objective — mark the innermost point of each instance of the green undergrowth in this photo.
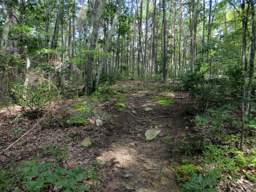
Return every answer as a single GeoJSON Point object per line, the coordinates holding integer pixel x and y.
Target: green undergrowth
{"type": "Point", "coordinates": [81, 110]}
{"type": "Point", "coordinates": [163, 100]}
{"type": "Point", "coordinates": [212, 153]}
{"type": "Point", "coordinates": [80, 113]}
{"type": "Point", "coordinates": [220, 124]}
{"type": "Point", "coordinates": [106, 92]}
{"type": "Point", "coordinates": [50, 175]}
{"type": "Point", "coordinates": [84, 109]}
{"type": "Point", "coordinates": [120, 106]}
{"type": "Point", "coordinates": [204, 175]}
{"type": "Point", "coordinates": [35, 176]}
{"type": "Point", "coordinates": [54, 151]}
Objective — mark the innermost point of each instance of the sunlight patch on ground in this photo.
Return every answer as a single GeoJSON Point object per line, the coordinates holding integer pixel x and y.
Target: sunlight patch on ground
{"type": "Point", "coordinates": [149, 104]}
{"type": "Point", "coordinates": [140, 93]}
{"type": "Point", "coordinates": [168, 94]}
{"type": "Point", "coordinates": [145, 190]}
{"type": "Point", "coordinates": [122, 155]}
{"type": "Point", "coordinates": [11, 110]}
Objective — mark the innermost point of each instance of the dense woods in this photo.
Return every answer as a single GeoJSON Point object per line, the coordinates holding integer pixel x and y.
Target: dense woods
{"type": "Point", "coordinates": [181, 70]}
{"type": "Point", "coordinates": [97, 40]}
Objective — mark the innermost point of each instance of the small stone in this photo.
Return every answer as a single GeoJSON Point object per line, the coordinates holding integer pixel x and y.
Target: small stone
{"type": "Point", "coordinates": [127, 175]}
{"type": "Point", "coordinates": [148, 109]}
{"type": "Point", "coordinates": [92, 121]}
{"type": "Point", "coordinates": [99, 122]}
{"type": "Point", "coordinates": [87, 142]}
{"type": "Point", "coordinates": [3, 158]}
{"type": "Point", "coordinates": [129, 188]}
{"type": "Point", "coordinates": [151, 134]}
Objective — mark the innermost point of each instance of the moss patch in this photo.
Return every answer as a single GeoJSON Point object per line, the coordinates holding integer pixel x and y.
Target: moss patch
{"type": "Point", "coordinates": [79, 113]}
{"type": "Point", "coordinates": [164, 101]}
{"type": "Point", "coordinates": [186, 171]}
{"type": "Point", "coordinates": [121, 106]}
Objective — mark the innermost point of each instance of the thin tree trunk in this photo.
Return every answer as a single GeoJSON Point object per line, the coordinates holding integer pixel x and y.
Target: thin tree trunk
{"type": "Point", "coordinates": [54, 42]}
{"type": "Point", "coordinates": [174, 62]}
{"type": "Point", "coordinates": [139, 62]}
{"type": "Point", "coordinates": [244, 64]}
{"type": "Point", "coordinates": [154, 49]}
{"type": "Point", "coordinates": [146, 39]}
{"type": "Point", "coordinates": [73, 29]}
{"type": "Point", "coordinates": [209, 37]}
{"type": "Point", "coordinates": [203, 33]}
{"type": "Point", "coordinates": [180, 33]}
{"type": "Point", "coordinates": [165, 67]}
{"type": "Point", "coordinates": [252, 55]}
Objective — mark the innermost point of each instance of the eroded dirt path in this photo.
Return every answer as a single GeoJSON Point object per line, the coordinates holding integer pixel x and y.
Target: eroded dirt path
{"type": "Point", "coordinates": [128, 163]}
{"type": "Point", "coordinates": [131, 162]}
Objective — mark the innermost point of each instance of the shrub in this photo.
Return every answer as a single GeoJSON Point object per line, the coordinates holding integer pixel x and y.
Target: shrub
{"type": "Point", "coordinates": [111, 78]}
{"type": "Point", "coordinates": [79, 114]}
{"type": "Point", "coordinates": [186, 171]}
{"type": "Point", "coordinates": [34, 97]}
{"type": "Point", "coordinates": [196, 84]}
{"type": "Point", "coordinates": [212, 153]}
{"type": "Point", "coordinates": [191, 144]}
{"type": "Point", "coordinates": [40, 176]}
{"type": "Point", "coordinates": [104, 92]}
{"type": "Point", "coordinates": [192, 82]}
{"type": "Point", "coordinates": [219, 124]}
{"type": "Point", "coordinates": [215, 89]}
{"type": "Point", "coordinates": [201, 121]}
{"type": "Point", "coordinates": [221, 158]}
{"type": "Point", "coordinates": [203, 183]}
{"type": "Point", "coordinates": [77, 119]}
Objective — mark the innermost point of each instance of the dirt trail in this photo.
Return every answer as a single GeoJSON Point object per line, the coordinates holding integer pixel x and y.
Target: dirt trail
{"type": "Point", "coordinates": [131, 162]}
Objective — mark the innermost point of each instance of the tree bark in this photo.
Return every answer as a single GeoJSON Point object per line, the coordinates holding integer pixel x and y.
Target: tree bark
{"type": "Point", "coordinates": [97, 9]}
{"type": "Point", "coordinates": [146, 39]}
{"type": "Point", "coordinates": [154, 47]}
{"type": "Point", "coordinates": [244, 65]}
{"type": "Point", "coordinates": [165, 67]}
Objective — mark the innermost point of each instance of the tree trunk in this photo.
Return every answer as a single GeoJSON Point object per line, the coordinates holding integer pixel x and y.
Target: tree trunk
{"type": "Point", "coordinates": [244, 65]}
{"type": "Point", "coordinates": [97, 9]}
{"type": "Point", "coordinates": [174, 62]}
{"type": "Point", "coordinates": [154, 49]}
{"type": "Point", "coordinates": [139, 61]}
{"type": "Point", "coordinates": [180, 34]}
{"type": "Point", "coordinates": [54, 42]}
{"type": "Point", "coordinates": [209, 37]}
{"type": "Point", "coordinates": [146, 39]}
{"type": "Point", "coordinates": [165, 67]}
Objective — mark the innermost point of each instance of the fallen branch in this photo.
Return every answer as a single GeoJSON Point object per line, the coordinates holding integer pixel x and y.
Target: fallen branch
{"type": "Point", "coordinates": [160, 117]}
{"type": "Point", "coordinates": [135, 118]}
{"type": "Point", "coordinates": [26, 133]}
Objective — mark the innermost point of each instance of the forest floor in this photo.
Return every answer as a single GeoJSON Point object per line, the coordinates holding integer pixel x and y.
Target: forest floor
{"type": "Point", "coordinates": [126, 161]}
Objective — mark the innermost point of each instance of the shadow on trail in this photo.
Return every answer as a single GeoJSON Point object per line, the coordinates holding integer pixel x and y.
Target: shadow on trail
{"type": "Point", "coordinates": [130, 163]}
